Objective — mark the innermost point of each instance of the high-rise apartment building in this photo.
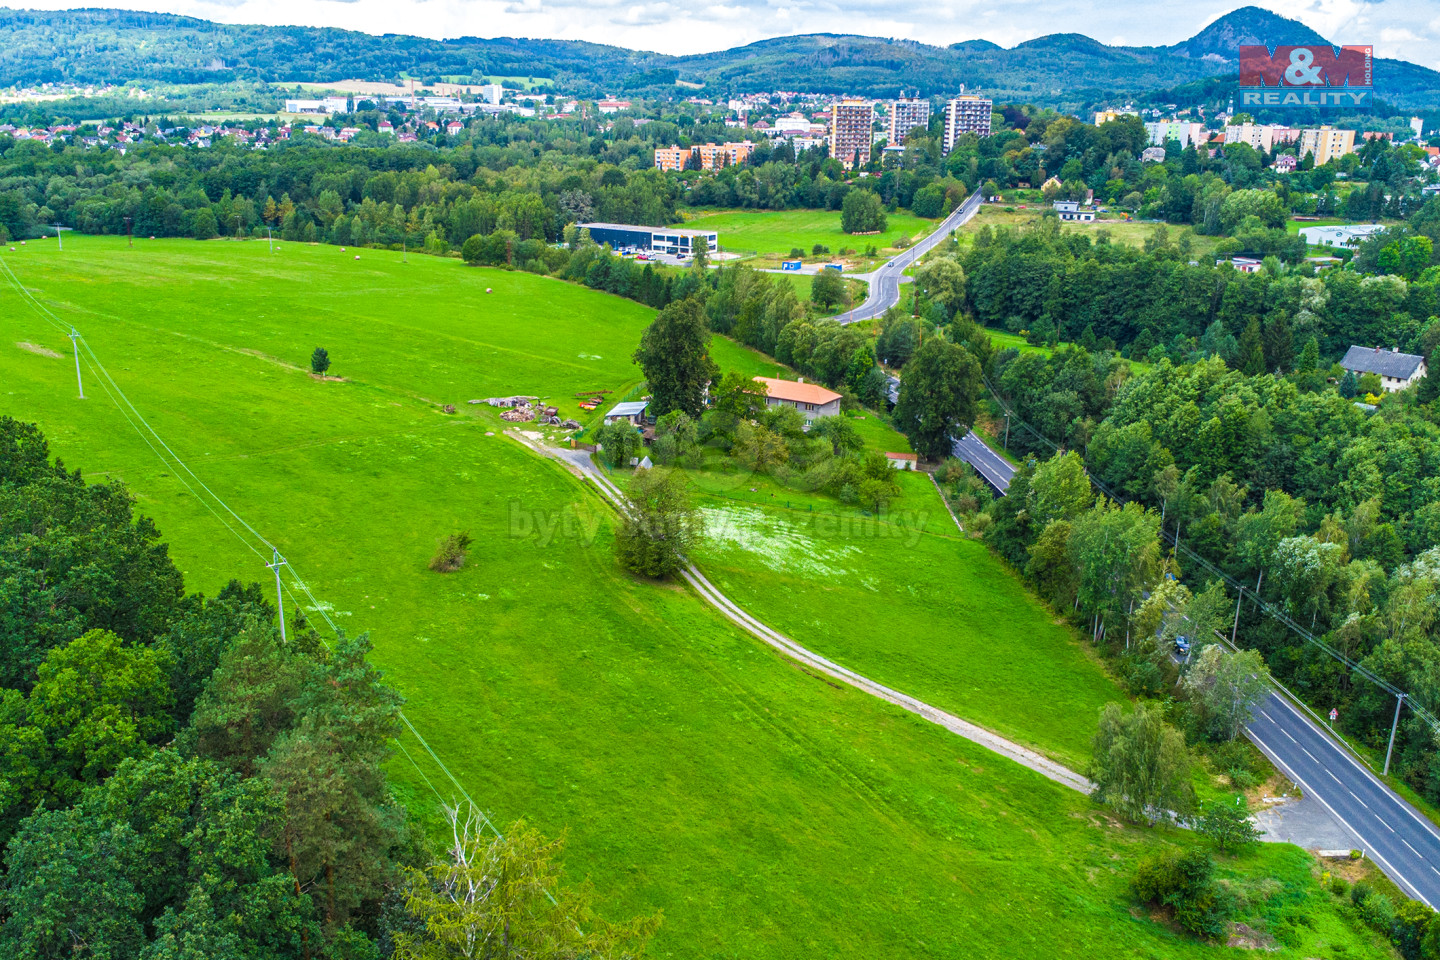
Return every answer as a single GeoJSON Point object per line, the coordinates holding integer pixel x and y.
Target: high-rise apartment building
{"type": "Point", "coordinates": [850, 132]}
{"type": "Point", "coordinates": [965, 114]}
{"type": "Point", "coordinates": [1326, 143]}
{"type": "Point", "coordinates": [906, 114]}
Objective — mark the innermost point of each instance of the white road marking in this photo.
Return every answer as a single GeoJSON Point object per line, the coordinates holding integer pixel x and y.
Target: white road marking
{"type": "Point", "coordinates": [1310, 755]}
{"type": "Point", "coordinates": [1287, 735]}
{"type": "Point", "coordinates": [1267, 716]}
{"type": "Point", "coordinates": [1333, 777]}
{"type": "Point", "coordinates": [1358, 800]}
{"type": "Point", "coordinates": [1412, 849]}
{"type": "Point", "coordinates": [1384, 824]}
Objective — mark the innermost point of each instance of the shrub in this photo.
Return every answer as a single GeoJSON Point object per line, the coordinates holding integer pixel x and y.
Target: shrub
{"type": "Point", "coordinates": [1360, 892]}
{"type": "Point", "coordinates": [451, 555]}
{"type": "Point", "coordinates": [1339, 886]}
{"type": "Point", "coordinates": [1378, 912]}
{"type": "Point", "coordinates": [1186, 884]}
{"type": "Point", "coordinates": [796, 253]}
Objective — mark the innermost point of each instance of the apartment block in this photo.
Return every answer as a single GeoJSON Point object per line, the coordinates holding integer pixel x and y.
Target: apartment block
{"type": "Point", "coordinates": [708, 156]}
{"type": "Point", "coordinates": [905, 115]}
{"type": "Point", "coordinates": [1327, 143]}
{"type": "Point", "coordinates": [1182, 132]}
{"type": "Point", "coordinates": [850, 131]}
{"type": "Point", "coordinates": [965, 114]}
{"type": "Point", "coordinates": [1259, 136]}
{"type": "Point", "coordinates": [671, 158]}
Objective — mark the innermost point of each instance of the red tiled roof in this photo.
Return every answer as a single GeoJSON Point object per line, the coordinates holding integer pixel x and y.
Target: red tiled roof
{"type": "Point", "coordinates": [797, 392]}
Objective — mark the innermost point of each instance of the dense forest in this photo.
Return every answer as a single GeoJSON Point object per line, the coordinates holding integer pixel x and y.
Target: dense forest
{"type": "Point", "coordinates": [176, 781]}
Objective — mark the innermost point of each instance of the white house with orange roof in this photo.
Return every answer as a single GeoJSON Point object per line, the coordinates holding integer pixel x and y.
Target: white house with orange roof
{"type": "Point", "coordinates": [811, 399]}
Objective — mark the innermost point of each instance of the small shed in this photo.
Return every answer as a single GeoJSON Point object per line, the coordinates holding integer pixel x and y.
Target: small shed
{"type": "Point", "coordinates": [903, 461]}
{"type": "Point", "coordinates": [633, 411]}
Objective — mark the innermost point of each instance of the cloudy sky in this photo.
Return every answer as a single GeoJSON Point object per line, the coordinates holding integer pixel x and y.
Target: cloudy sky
{"type": "Point", "coordinates": [1405, 29]}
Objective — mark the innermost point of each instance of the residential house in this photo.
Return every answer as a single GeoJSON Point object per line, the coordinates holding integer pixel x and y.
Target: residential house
{"type": "Point", "coordinates": [811, 399]}
{"type": "Point", "coordinates": [1072, 210]}
{"type": "Point", "coordinates": [1284, 164]}
{"type": "Point", "coordinates": [1396, 370]}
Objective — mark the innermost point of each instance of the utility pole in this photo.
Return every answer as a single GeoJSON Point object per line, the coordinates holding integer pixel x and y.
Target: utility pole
{"type": "Point", "coordinates": [75, 347]}
{"type": "Point", "coordinates": [58, 237]}
{"type": "Point", "coordinates": [129, 238]}
{"type": "Point", "coordinates": [275, 565]}
{"type": "Point", "coordinates": [1007, 429]}
{"type": "Point", "coordinates": [1399, 702]}
{"type": "Point", "coordinates": [1236, 625]}
{"type": "Point", "coordinates": [270, 239]}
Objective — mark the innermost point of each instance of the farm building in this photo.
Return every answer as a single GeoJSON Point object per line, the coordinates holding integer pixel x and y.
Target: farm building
{"type": "Point", "coordinates": [811, 399]}
{"type": "Point", "coordinates": [1396, 370]}
{"type": "Point", "coordinates": [633, 411]}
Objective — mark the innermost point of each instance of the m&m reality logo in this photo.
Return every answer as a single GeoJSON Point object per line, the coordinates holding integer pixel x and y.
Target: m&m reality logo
{"type": "Point", "coordinates": [1309, 76]}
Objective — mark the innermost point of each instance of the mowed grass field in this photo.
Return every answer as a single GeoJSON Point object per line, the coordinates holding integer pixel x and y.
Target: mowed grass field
{"type": "Point", "coordinates": [776, 232]}
{"type": "Point", "coordinates": [768, 813]}
{"type": "Point", "coordinates": [909, 601]}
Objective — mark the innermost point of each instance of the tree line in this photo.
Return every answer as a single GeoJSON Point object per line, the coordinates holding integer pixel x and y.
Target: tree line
{"type": "Point", "coordinates": [178, 781]}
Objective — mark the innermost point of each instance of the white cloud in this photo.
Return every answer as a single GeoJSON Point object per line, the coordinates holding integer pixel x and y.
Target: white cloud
{"type": "Point", "coordinates": [1406, 29]}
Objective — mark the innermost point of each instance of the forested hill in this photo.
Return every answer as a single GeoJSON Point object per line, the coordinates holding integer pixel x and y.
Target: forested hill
{"type": "Point", "coordinates": [94, 46]}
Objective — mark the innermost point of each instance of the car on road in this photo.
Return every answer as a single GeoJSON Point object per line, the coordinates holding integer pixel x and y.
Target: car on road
{"type": "Point", "coordinates": [1182, 646]}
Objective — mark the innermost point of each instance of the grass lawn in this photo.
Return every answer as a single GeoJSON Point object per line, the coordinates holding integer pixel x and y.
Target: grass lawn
{"type": "Point", "coordinates": [773, 233]}
{"type": "Point", "coordinates": [909, 602]}
{"type": "Point", "coordinates": [1129, 232]}
{"type": "Point", "coordinates": [767, 812]}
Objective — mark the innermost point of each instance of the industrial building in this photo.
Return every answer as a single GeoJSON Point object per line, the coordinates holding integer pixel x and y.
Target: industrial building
{"type": "Point", "coordinates": [668, 240]}
{"type": "Point", "coordinates": [965, 114]}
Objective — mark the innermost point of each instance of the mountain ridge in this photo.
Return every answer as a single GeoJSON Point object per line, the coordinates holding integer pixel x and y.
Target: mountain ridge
{"type": "Point", "coordinates": [1063, 69]}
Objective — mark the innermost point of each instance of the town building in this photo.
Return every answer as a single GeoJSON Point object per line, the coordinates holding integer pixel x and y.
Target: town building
{"type": "Point", "coordinates": [1185, 133]}
{"type": "Point", "coordinates": [671, 158]}
{"type": "Point", "coordinates": [794, 125]}
{"type": "Point", "coordinates": [965, 114]}
{"type": "Point", "coordinates": [906, 114]}
{"type": "Point", "coordinates": [707, 156]}
{"type": "Point", "coordinates": [1106, 116]}
{"type": "Point", "coordinates": [323, 105]}
{"type": "Point", "coordinates": [1258, 135]}
{"type": "Point", "coordinates": [1327, 143]}
{"type": "Point", "coordinates": [490, 92]}
{"type": "Point", "coordinates": [1396, 370]}
{"type": "Point", "coordinates": [850, 132]}
{"type": "Point", "coordinates": [669, 240]}
{"type": "Point", "coordinates": [1348, 235]}
{"type": "Point", "coordinates": [812, 400]}
{"type": "Point", "coordinates": [1243, 264]}
{"type": "Point", "coordinates": [1152, 155]}
{"type": "Point", "coordinates": [1073, 210]}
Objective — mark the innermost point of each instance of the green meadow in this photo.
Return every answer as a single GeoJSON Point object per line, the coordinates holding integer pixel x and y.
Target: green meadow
{"type": "Point", "coordinates": [767, 812]}
{"type": "Point", "coordinates": [775, 233]}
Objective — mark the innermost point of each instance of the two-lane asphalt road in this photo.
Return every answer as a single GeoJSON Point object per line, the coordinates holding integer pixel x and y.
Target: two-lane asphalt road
{"type": "Point", "coordinates": [996, 470]}
{"type": "Point", "coordinates": [1400, 840]}
{"type": "Point", "coordinates": [885, 280]}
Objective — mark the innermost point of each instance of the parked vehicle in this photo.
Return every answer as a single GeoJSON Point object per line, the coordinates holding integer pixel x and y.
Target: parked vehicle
{"type": "Point", "coordinates": [1182, 646]}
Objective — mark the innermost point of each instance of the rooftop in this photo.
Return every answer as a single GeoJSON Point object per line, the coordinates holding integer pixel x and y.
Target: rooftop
{"type": "Point", "coordinates": [1387, 363]}
{"type": "Point", "coordinates": [797, 391]}
{"type": "Point", "coordinates": [640, 226]}
{"type": "Point", "coordinates": [631, 408]}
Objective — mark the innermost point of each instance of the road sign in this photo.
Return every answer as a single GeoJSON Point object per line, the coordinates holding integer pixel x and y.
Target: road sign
{"type": "Point", "coordinates": [1334, 714]}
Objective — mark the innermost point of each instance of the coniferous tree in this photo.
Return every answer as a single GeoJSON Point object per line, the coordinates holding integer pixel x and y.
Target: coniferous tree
{"type": "Point", "coordinates": [1251, 360]}
{"type": "Point", "coordinates": [320, 361]}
